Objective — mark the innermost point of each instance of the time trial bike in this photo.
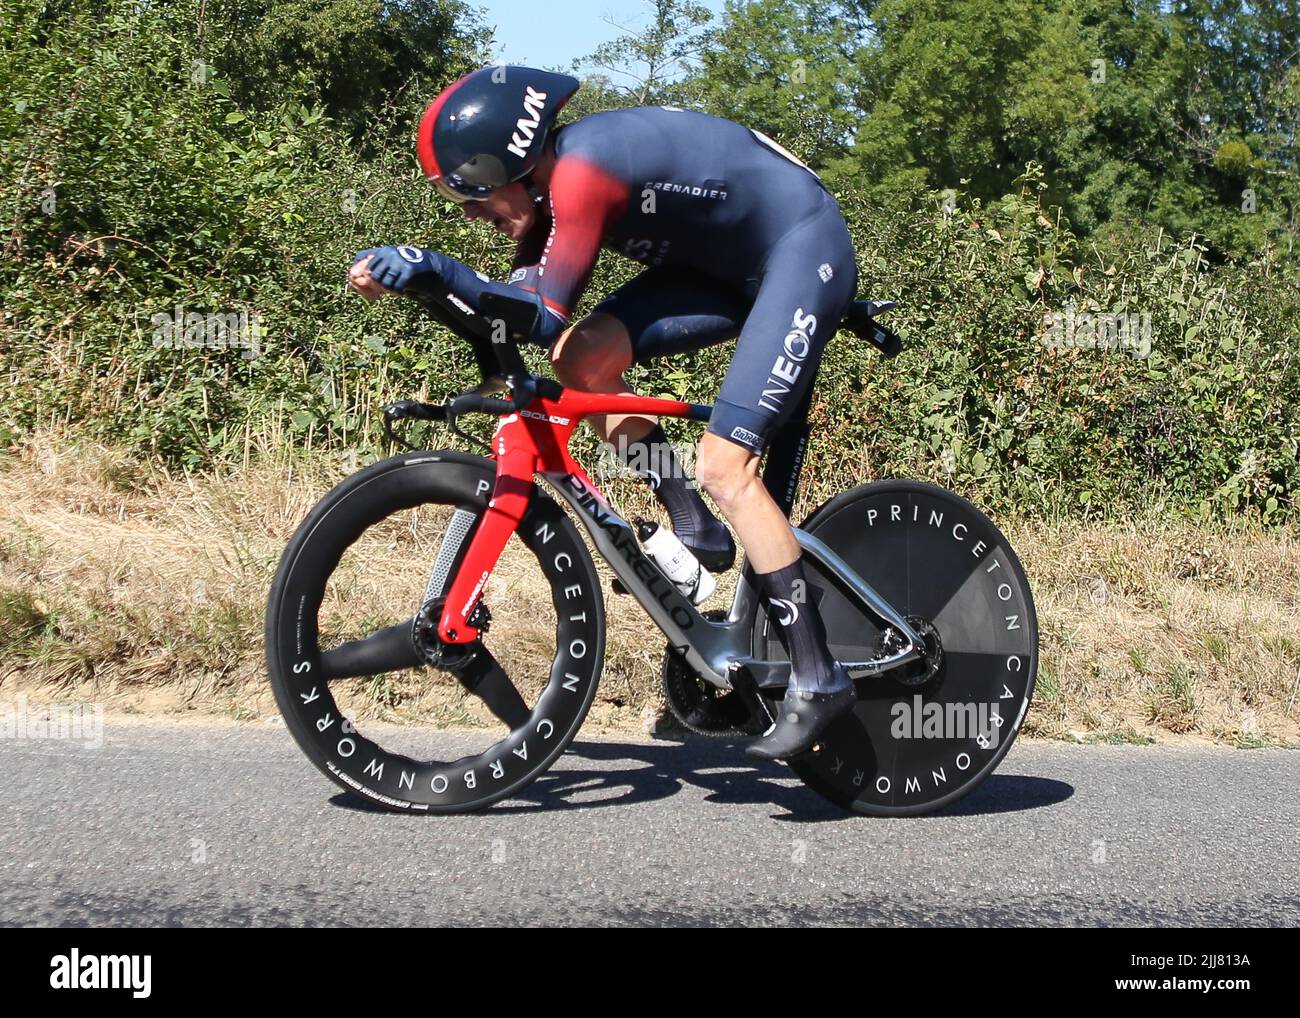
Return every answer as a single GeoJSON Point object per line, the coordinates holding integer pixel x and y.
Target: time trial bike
{"type": "Point", "coordinates": [924, 601]}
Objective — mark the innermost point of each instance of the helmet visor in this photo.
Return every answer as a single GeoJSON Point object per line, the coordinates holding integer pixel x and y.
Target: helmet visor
{"type": "Point", "coordinates": [451, 194]}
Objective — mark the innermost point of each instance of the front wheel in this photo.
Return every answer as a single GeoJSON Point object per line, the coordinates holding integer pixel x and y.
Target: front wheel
{"type": "Point", "coordinates": [348, 637]}
{"type": "Point", "coordinates": [919, 737]}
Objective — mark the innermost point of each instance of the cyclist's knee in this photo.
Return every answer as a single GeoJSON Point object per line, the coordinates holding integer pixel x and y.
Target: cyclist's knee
{"type": "Point", "coordinates": [591, 354]}
{"type": "Point", "coordinates": [725, 470]}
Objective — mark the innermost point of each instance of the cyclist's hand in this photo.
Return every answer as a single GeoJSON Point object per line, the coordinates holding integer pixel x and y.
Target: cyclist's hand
{"type": "Point", "coordinates": [379, 270]}
{"type": "Point", "coordinates": [359, 278]}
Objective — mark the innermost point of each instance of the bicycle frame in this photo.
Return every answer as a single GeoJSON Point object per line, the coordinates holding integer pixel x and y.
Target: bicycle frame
{"type": "Point", "coordinates": [534, 441]}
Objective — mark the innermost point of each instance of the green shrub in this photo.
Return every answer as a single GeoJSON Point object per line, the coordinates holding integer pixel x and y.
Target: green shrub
{"type": "Point", "coordinates": [132, 184]}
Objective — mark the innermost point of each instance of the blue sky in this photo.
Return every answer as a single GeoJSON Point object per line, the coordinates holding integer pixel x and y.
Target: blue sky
{"type": "Point", "coordinates": [542, 33]}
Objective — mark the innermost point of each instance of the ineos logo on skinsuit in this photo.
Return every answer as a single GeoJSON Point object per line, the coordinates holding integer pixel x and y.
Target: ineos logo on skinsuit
{"type": "Point", "coordinates": [786, 368]}
{"type": "Point", "coordinates": [412, 254]}
{"type": "Point", "coordinates": [526, 126]}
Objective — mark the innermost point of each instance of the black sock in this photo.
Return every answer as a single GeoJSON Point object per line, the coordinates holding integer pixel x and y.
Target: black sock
{"type": "Point", "coordinates": [654, 460]}
{"type": "Point", "coordinates": [800, 629]}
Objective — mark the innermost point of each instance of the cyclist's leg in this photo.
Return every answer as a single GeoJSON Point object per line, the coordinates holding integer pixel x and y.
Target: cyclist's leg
{"type": "Point", "coordinates": [663, 311]}
{"type": "Point", "coordinates": [808, 281]}
{"type": "Point", "coordinates": [592, 356]}
{"type": "Point", "coordinates": [635, 324]}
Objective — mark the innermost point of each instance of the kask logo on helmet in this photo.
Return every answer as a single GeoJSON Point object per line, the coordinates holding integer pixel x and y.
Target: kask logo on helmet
{"type": "Point", "coordinates": [526, 126]}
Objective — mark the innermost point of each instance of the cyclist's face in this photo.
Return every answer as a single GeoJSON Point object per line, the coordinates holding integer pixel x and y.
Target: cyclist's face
{"type": "Point", "coordinates": [509, 211]}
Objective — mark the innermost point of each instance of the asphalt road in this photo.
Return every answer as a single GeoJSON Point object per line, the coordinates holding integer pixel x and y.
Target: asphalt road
{"type": "Point", "coordinates": [231, 826]}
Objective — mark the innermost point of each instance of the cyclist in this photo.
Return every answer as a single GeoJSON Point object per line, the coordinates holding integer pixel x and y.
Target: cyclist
{"type": "Point", "coordinates": [738, 238]}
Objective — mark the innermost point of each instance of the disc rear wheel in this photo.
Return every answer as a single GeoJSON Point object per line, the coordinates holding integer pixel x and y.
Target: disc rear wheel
{"type": "Point", "coordinates": [927, 733]}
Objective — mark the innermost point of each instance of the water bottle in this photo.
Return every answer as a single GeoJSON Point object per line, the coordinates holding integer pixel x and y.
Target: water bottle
{"type": "Point", "coordinates": [675, 561]}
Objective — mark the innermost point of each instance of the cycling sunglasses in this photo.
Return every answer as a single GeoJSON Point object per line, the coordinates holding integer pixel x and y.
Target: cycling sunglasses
{"type": "Point", "coordinates": [459, 197]}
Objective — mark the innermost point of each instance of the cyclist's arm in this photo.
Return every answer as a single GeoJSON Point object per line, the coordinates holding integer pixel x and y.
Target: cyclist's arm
{"type": "Point", "coordinates": [584, 200]}
{"type": "Point", "coordinates": [457, 291]}
{"type": "Point", "coordinates": [449, 289]}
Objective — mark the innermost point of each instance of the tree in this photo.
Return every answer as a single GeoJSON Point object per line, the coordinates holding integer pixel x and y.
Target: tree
{"type": "Point", "coordinates": [786, 67]}
{"type": "Point", "coordinates": [967, 91]}
{"type": "Point", "coordinates": [646, 63]}
{"type": "Point", "coordinates": [1182, 117]}
{"type": "Point", "coordinates": [351, 56]}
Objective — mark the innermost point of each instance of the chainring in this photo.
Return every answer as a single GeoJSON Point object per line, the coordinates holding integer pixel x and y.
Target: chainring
{"type": "Point", "coordinates": [703, 708]}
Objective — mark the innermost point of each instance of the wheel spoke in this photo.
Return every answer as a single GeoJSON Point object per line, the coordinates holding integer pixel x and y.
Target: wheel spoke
{"type": "Point", "coordinates": [487, 680]}
{"type": "Point", "coordinates": [386, 650]}
{"type": "Point", "coordinates": [368, 549]}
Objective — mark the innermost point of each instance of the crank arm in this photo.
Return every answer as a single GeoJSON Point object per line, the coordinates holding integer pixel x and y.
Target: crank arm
{"type": "Point", "coordinates": [879, 665]}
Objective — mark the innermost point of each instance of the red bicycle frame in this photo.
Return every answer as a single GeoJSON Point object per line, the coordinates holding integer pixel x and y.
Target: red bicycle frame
{"type": "Point", "coordinates": [534, 439]}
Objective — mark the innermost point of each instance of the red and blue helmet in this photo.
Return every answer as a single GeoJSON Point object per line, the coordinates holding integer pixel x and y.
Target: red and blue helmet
{"type": "Point", "coordinates": [489, 129]}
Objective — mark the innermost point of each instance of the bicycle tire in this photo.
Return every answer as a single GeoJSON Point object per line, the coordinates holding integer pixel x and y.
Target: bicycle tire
{"type": "Point", "coordinates": [930, 565]}
{"type": "Point", "coordinates": [294, 657]}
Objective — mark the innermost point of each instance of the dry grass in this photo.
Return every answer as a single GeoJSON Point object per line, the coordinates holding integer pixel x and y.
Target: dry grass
{"type": "Point", "coordinates": [125, 584]}
{"type": "Point", "coordinates": [1158, 627]}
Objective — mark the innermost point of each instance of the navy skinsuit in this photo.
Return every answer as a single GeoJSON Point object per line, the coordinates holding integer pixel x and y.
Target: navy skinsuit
{"type": "Point", "coordinates": [737, 236]}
